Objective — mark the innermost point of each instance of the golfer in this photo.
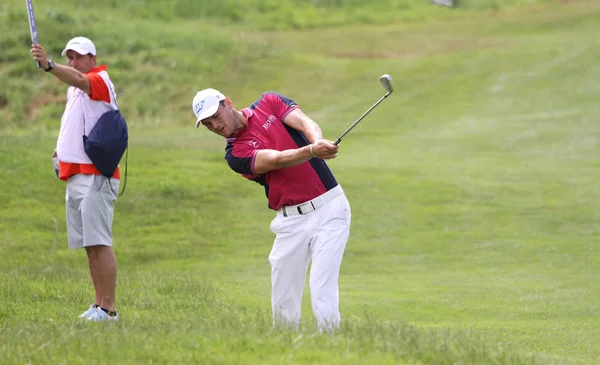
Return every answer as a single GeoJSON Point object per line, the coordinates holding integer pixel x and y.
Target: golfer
{"type": "Point", "coordinates": [275, 144]}
{"type": "Point", "coordinates": [89, 197]}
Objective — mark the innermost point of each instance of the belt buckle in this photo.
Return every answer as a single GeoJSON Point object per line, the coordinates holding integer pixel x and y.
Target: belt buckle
{"type": "Point", "coordinates": [301, 211]}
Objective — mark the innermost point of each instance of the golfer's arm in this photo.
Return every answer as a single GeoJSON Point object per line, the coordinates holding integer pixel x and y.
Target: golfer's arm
{"type": "Point", "coordinates": [72, 77]}
{"type": "Point", "coordinates": [267, 160]}
{"type": "Point", "coordinates": [301, 122]}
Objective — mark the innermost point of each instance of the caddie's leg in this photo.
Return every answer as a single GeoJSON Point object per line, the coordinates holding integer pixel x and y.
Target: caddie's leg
{"type": "Point", "coordinates": [95, 274]}
{"type": "Point", "coordinates": [105, 268]}
{"type": "Point", "coordinates": [327, 251]}
{"type": "Point", "coordinates": [289, 260]}
{"type": "Point", "coordinates": [97, 211]}
{"type": "Point", "coordinates": [77, 189]}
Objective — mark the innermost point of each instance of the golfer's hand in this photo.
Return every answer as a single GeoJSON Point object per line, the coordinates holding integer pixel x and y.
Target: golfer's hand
{"type": "Point", "coordinates": [38, 54]}
{"type": "Point", "coordinates": [54, 154]}
{"type": "Point", "coordinates": [324, 149]}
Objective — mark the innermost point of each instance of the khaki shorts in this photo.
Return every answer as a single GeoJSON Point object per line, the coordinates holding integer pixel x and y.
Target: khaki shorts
{"type": "Point", "coordinates": [90, 206]}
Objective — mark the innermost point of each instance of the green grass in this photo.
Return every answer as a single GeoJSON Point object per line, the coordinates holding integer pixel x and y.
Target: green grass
{"type": "Point", "coordinates": [473, 187]}
{"type": "Point", "coordinates": [168, 47]}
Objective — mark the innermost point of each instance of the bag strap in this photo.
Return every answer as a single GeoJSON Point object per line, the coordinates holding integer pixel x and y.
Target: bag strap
{"type": "Point", "coordinates": [114, 95]}
{"type": "Point", "coordinates": [83, 121]}
{"type": "Point", "coordinates": [125, 179]}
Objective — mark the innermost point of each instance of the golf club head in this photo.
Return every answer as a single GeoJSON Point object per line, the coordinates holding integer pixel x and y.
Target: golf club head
{"type": "Point", "coordinates": [386, 82]}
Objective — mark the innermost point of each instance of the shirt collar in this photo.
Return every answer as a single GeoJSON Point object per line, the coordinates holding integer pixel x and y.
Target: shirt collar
{"type": "Point", "coordinates": [247, 112]}
{"type": "Point", "coordinates": [97, 69]}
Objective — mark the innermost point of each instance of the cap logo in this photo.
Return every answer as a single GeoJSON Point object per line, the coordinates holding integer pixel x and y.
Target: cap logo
{"type": "Point", "coordinates": [198, 107]}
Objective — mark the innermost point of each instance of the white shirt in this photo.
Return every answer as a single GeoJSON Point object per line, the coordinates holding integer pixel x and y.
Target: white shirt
{"type": "Point", "coordinates": [80, 110]}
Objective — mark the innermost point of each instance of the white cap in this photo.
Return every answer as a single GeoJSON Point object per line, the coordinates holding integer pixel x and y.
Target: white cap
{"type": "Point", "coordinates": [81, 45]}
{"type": "Point", "coordinates": [206, 103]}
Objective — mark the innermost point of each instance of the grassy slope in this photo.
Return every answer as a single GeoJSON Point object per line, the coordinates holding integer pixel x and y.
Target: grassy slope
{"type": "Point", "coordinates": [166, 46]}
{"type": "Point", "coordinates": [473, 195]}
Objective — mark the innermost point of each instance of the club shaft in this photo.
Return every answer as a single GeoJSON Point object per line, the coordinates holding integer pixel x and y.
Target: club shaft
{"type": "Point", "coordinates": [32, 25]}
{"type": "Point", "coordinates": [361, 118]}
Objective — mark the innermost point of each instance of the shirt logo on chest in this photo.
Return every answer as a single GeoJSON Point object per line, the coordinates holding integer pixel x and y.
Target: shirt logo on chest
{"type": "Point", "coordinates": [269, 122]}
{"type": "Point", "coordinates": [253, 143]}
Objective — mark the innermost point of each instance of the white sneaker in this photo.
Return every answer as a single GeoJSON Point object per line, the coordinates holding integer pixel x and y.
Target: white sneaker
{"type": "Point", "coordinates": [90, 312]}
{"type": "Point", "coordinates": [101, 316]}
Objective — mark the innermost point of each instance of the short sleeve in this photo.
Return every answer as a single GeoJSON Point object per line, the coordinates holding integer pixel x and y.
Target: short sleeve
{"type": "Point", "coordinates": [241, 159]}
{"type": "Point", "coordinates": [98, 88]}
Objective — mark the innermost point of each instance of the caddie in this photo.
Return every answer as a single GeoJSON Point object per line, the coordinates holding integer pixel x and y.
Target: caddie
{"type": "Point", "coordinates": [90, 197]}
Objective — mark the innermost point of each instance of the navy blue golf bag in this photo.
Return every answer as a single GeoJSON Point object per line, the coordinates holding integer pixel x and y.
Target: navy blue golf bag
{"type": "Point", "coordinates": [107, 141]}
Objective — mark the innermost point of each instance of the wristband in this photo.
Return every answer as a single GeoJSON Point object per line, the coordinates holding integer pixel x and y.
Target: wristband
{"type": "Point", "coordinates": [311, 151]}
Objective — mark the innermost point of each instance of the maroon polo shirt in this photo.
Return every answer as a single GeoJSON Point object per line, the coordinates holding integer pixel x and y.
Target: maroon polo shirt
{"type": "Point", "coordinates": [265, 130]}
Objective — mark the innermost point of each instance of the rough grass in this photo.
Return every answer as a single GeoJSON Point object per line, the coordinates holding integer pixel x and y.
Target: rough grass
{"type": "Point", "coordinates": [473, 189]}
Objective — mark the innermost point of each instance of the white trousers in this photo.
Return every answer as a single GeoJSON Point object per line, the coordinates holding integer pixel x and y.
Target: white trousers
{"type": "Point", "coordinates": [320, 236]}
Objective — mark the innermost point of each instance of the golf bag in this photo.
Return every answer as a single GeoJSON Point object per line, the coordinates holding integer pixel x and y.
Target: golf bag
{"type": "Point", "coordinates": [106, 143]}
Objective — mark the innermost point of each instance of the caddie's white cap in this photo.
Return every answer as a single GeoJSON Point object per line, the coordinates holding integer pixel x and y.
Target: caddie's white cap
{"type": "Point", "coordinates": [206, 103]}
{"type": "Point", "coordinates": [81, 45]}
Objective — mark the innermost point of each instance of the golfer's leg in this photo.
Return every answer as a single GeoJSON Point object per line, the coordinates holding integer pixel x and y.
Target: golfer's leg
{"type": "Point", "coordinates": [289, 260]}
{"type": "Point", "coordinates": [327, 251]}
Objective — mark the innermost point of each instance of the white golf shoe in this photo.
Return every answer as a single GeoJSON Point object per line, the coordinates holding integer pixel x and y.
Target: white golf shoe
{"type": "Point", "coordinates": [101, 316]}
{"type": "Point", "coordinates": [90, 312]}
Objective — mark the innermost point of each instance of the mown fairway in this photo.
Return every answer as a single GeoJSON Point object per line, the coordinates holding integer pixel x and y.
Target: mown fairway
{"type": "Point", "coordinates": [474, 187]}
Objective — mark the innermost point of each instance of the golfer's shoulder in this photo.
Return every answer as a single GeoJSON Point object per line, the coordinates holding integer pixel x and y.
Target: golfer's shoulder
{"type": "Point", "coordinates": [274, 96]}
{"type": "Point", "coordinates": [273, 99]}
{"type": "Point", "coordinates": [268, 96]}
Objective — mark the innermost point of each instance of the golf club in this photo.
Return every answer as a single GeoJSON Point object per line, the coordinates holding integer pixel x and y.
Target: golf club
{"type": "Point", "coordinates": [32, 27]}
{"type": "Point", "coordinates": [386, 82]}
